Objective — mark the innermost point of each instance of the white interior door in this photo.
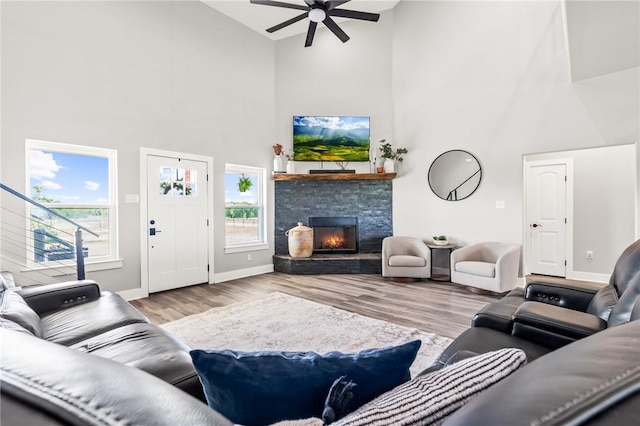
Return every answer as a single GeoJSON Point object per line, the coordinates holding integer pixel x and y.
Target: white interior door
{"type": "Point", "coordinates": [546, 193]}
{"type": "Point", "coordinates": [177, 238]}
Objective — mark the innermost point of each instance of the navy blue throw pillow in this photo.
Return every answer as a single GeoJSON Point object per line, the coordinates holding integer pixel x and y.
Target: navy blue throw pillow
{"type": "Point", "coordinates": [260, 388]}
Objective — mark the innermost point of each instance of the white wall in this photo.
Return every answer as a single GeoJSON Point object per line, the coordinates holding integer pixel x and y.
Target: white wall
{"type": "Point", "coordinates": [491, 78]}
{"type": "Point", "coordinates": [603, 36]}
{"type": "Point", "coordinates": [177, 76]}
{"type": "Point", "coordinates": [332, 78]}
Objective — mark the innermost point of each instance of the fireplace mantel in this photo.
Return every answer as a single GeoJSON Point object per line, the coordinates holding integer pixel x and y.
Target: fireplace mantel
{"type": "Point", "coordinates": [335, 176]}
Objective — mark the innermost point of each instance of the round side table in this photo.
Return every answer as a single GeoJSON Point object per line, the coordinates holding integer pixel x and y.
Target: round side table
{"type": "Point", "coordinates": [448, 248]}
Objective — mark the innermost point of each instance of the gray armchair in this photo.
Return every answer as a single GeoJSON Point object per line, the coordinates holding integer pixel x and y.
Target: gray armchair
{"type": "Point", "coordinates": [492, 267]}
{"type": "Point", "coordinates": [405, 259]}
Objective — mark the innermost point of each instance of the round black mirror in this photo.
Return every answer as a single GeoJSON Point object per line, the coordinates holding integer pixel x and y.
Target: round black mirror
{"type": "Point", "coordinates": [455, 175]}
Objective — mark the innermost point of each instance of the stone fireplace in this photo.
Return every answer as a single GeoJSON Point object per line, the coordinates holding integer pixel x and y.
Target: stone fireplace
{"type": "Point", "coordinates": [365, 199]}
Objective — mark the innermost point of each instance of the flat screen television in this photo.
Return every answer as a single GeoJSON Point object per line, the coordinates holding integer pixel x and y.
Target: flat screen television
{"type": "Point", "coordinates": [330, 138]}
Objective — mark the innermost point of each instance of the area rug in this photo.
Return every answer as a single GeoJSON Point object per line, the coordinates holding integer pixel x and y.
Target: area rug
{"type": "Point", "coordinates": [282, 322]}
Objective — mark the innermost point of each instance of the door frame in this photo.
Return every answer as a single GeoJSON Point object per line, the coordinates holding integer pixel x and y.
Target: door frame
{"type": "Point", "coordinates": [526, 165]}
{"type": "Point", "coordinates": [144, 256]}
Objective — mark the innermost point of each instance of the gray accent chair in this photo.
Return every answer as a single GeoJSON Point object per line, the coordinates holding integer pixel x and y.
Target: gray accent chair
{"type": "Point", "coordinates": [405, 259]}
{"type": "Point", "coordinates": [492, 267]}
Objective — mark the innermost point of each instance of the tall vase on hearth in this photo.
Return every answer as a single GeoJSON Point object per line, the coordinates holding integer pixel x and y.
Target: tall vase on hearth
{"type": "Point", "coordinates": [278, 164]}
{"type": "Point", "coordinates": [300, 239]}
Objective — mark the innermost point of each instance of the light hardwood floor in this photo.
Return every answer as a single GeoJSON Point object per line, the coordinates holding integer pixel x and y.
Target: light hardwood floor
{"type": "Point", "coordinates": [442, 308]}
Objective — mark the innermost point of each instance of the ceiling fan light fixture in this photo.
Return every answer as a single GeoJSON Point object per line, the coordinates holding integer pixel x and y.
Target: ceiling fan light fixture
{"type": "Point", "coordinates": [317, 15]}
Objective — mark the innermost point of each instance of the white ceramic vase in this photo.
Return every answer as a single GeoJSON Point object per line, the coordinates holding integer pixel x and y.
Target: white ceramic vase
{"type": "Point", "coordinates": [389, 165]}
{"type": "Point", "coordinates": [278, 164]}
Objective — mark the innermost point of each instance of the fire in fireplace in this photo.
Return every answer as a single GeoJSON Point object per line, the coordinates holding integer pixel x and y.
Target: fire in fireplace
{"type": "Point", "coordinates": [334, 234]}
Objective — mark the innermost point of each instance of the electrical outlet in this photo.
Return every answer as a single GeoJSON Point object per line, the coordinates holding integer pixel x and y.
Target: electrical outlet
{"type": "Point", "coordinates": [589, 254]}
{"type": "Point", "coordinates": [249, 257]}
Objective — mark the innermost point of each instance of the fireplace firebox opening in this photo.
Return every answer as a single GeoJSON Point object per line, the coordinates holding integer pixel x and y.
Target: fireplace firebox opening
{"type": "Point", "coordinates": [334, 234]}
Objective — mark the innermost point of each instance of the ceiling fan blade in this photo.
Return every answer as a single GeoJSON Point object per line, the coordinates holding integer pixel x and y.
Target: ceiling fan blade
{"type": "Point", "coordinates": [279, 4]}
{"type": "Point", "coordinates": [335, 3]}
{"type": "Point", "coordinates": [354, 14]}
{"type": "Point", "coordinates": [287, 23]}
{"type": "Point", "coordinates": [331, 24]}
{"type": "Point", "coordinates": [310, 33]}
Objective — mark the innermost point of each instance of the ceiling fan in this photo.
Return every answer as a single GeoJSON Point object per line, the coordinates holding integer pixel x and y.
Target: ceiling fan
{"type": "Point", "coordinates": [319, 11]}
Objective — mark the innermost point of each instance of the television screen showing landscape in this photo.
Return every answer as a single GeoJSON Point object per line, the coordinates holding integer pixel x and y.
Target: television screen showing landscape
{"type": "Point", "coordinates": [330, 138]}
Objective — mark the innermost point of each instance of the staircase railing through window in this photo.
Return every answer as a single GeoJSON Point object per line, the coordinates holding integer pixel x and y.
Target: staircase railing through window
{"type": "Point", "coordinates": [59, 249]}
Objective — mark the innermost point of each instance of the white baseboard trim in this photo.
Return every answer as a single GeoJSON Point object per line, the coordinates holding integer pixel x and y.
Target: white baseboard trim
{"type": "Point", "coordinates": [588, 276]}
{"type": "Point", "coordinates": [242, 273]}
{"type": "Point", "coordinates": [133, 294]}
{"type": "Point", "coordinates": [138, 293]}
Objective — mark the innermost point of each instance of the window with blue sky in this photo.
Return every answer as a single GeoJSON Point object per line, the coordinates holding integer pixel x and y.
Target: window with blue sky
{"type": "Point", "coordinates": [79, 183]}
{"type": "Point", "coordinates": [244, 209]}
{"type": "Point", "coordinates": [69, 178]}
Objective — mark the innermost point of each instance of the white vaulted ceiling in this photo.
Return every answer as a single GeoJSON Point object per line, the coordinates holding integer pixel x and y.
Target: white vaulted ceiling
{"type": "Point", "coordinates": [602, 35]}
{"type": "Point", "coordinates": [259, 17]}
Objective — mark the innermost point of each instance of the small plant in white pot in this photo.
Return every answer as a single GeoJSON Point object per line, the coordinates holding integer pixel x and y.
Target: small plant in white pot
{"type": "Point", "coordinates": [440, 240]}
{"type": "Point", "coordinates": [390, 155]}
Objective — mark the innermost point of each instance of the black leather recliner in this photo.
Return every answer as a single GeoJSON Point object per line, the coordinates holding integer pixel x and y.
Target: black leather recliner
{"type": "Point", "coordinates": [78, 315]}
{"type": "Point", "coordinates": [42, 383]}
{"type": "Point", "coordinates": [554, 315]}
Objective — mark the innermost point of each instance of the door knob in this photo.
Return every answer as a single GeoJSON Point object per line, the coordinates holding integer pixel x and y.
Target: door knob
{"type": "Point", "coordinates": [535, 225]}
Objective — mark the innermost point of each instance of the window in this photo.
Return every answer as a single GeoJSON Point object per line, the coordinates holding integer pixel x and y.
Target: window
{"type": "Point", "coordinates": [244, 208]}
{"type": "Point", "coordinates": [178, 182]}
{"type": "Point", "coordinates": [78, 182]}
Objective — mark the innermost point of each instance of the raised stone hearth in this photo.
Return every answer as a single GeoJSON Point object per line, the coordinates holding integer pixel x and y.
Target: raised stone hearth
{"type": "Point", "coordinates": [365, 196]}
{"type": "Point", "coordinates": [361, 263]}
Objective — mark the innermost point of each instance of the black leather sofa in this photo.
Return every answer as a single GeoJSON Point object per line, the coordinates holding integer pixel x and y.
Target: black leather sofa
{"type": "Point", "coordinates": [553, 315]}
{"type": "Point", "coordinates": [509, 322]}
{"type": "Point", "coordinates": [81, 317]}
{"type": "Point", "coordinates": [594, 380]}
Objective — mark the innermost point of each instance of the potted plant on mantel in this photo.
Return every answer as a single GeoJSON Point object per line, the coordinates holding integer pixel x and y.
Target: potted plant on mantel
{"type": "Point", "coordinates": [390, 155]}
{"type": "Point", "coordinates": [278, 161]}
{"type": "Point", "coordinates": [291, 168]}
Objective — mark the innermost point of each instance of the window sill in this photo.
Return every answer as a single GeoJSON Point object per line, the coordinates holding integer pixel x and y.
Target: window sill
{"type": "Point", "coordinates": [59, 270]}
{"type": "Point", "coordinates": [245, 248]}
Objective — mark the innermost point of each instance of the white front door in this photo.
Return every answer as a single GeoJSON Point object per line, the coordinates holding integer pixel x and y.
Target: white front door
{"type": "Point", "coordinates": [546, 197]}
{"type": "Point", "coordinates": [177, 238]}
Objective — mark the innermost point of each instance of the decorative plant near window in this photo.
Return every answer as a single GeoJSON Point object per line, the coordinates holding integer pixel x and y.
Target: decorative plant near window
{"type": "Point", "coordinates": [244, 183]}
{"type": "Point", "coordinates": [388, 152]}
